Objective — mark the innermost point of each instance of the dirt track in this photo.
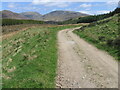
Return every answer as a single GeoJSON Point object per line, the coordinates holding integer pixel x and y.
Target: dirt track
{"type": "Point", "coordinates": [81, 65]}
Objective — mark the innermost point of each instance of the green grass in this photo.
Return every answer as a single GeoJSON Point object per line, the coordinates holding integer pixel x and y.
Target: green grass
{"type": "Point", "coordinates": [104, 35]}
{"type": "Point", "coordinates": [30, 58]}
{"type": "Point", "coordinates": [17, 22]}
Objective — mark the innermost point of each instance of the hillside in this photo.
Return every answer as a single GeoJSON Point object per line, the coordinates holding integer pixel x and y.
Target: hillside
{"type": "Point", "coordinates": [30, 57]}
{"type": "Point", "coordinates": [61, 15]}
{"type": "Point", "coordinates": [6, 22]}
{"type": "Point", "coordinates": [52, 16]}
{"type": "Point", "coordinates": [103, 34]}
{"type": "Point", "coordinates": [92, 18]}
{"type": "Point", "coordinates": [6, 14]}
{"type": "Point", "coordinates": [32, 15]}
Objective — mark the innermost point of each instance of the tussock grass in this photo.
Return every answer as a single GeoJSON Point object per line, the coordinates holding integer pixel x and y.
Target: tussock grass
{"type": "Point", "coordinates": [30, 57]}
{"type": "Point", "coordinates": [104, 35]}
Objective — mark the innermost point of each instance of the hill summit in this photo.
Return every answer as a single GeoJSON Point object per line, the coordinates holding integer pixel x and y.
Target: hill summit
{"type": "Point", "coordinates": [60, 15]}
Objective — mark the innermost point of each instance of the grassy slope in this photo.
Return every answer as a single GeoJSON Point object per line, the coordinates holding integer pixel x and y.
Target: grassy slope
{"type": "Point", "coordinates": [103, 34]}
{"type": "Point", "coordinates": [12, 28]}
{"type": "Point", "coordinates": [30, 57]}
{"type": "Point", "coordinates": [17, 22]}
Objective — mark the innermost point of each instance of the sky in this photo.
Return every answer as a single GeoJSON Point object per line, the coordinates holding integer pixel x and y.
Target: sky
{"type": "Point", "coordinates": [45, 6]}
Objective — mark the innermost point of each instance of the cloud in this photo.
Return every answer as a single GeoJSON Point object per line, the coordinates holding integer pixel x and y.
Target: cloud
{"type": "Point", "coordinates": [29, 8]}
{"type": "Point", "coordinates": [86, 12]}
{"type": "Point", "coordinates": [16, 0]}
{"type": "Point", "coordinates": [11, 5]}
{"type": "Point", "coordinates": [50, 3]}
{"type": "Point", "coordinates": [22, 8]}
{"type": "Point", "coordinates": [102, 12]}
{"type": "Point", "coordinates": [85, 5]}
{"type": "Point", "coordinates": [56, 4]}
{"type": "Point", "coordinates": [95, 12]}
{"type": "Point", "coordinates": [57, 0]}
{"type": "Point", "coordinates": [112, 3]}
{"type": "Point", "coordinates": [37, 2]}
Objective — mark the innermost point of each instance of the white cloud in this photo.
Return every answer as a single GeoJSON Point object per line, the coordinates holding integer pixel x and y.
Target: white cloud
{"type": "Point", "coordinates": [86, 12]}
{"type": "Point", "coordinates": [49, 3]}
{"type": "Point", "coordinates": [112, 3]}
{"type": "Point", "coordinates": [85, 5]}
{"type": "Point", "coordinates": [56, 4]}
{"type": "Point", "coordinates": [37, 2]}
{"type": "Point", "coordinates": [11, 5]}
{"type": "Point", "coordinates": [95, 12]}
{"type": "Point", "coordinates": [28, 8]}
{"type": "Point", "coordinates": [102, 12]}
{"type": "Point", "coordinates": [57, 0]}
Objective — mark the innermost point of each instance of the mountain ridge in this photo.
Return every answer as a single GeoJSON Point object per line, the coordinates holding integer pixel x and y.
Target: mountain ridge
{"type": "Point", "coordinates": [58, 15]}
{"type": "Point", "coordinates": [6, 14]}
{"type": "Point", "coordinates": [32, 15]}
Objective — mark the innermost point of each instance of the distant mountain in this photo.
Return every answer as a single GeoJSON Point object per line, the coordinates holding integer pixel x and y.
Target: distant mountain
{"type": "Point", "coordinates": [32, 15]}
{"type": "Point", "coordinates": [61, 15]}
{"type": "Point", "coordinates": [52, 16]}
{"type": "Point", "coordinates": [11, 15]}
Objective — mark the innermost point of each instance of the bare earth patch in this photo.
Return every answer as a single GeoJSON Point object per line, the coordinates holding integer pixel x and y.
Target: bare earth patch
{"type": "Point", "coordinates": [81, 65]}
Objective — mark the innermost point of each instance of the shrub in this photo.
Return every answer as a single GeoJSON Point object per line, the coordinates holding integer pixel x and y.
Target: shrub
{"type": "Point", "coordinates": [110, 42]}
{"type": "Point", "coordinates": [101, 38]}
{"type": "Point", "coordinates": [116, 42]}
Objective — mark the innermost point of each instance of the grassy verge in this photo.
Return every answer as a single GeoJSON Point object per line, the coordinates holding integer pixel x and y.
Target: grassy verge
{"type": "Point", "coordinates": [13, 28]}
{"type": "Point", "coordinates": [30, 57]}
{"type": "Point", "coordinates": [103, 34]}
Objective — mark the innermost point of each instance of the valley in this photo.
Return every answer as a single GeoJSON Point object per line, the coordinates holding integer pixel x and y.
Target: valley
{"type": "Point", "coordinates": [60, 49]}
